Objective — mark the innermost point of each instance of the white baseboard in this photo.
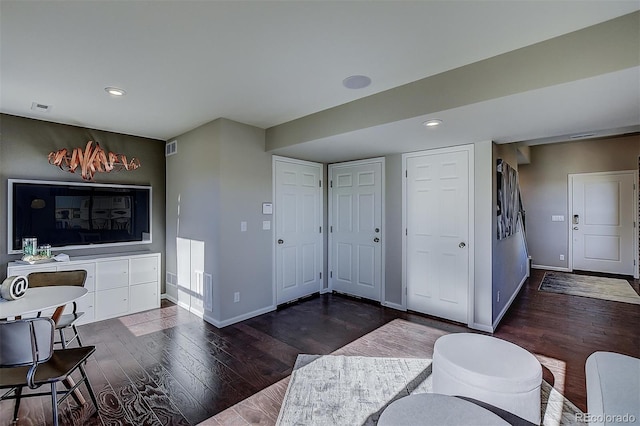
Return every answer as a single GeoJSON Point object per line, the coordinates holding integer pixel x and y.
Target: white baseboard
{"type": "Point", "coordinates": [481, 327]}
{"type": "Point", "coordinates": [224, 323]}
{"type": "Point", "coordinates": [394, 306]}
{"type": "Point", "coordinates": [551, 268]}
{"type": "Point", "coordinates": [508, 304]}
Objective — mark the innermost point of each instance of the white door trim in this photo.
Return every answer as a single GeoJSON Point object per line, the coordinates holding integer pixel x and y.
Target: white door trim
{"type": "Point", "coordinates": [571, 176]}
{"type": "Point", "coordinates": [471, 293]}
{"type": "Point", "coordinates": [274, 160]}
{"type": "Point", "coordinates": [381, 161]}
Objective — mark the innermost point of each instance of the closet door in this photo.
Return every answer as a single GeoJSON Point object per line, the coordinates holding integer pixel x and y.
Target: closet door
{"type": "Point", "coordinates": [298, 228]}
{"type": "Point", "coordinates": [355, 228]}
{"type": "Point", "coordinates": [437, 201]}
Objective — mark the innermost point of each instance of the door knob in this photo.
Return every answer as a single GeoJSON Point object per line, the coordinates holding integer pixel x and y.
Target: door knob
{"type": "Point", "coordinates": [462, 245]}
{"type": "Point", "coordinates": [575, 228]}
{"type": "Point", "coordinates": [376, 240]}
{"type": "Point", "coordinates": [281, 241]}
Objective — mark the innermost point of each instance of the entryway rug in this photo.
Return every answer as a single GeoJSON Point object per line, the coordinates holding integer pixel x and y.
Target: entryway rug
{"type": "Point", "coordinates": [613, 289]}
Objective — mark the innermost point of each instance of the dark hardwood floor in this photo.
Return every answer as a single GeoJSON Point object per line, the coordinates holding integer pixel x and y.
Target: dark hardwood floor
{"type": "Point", "coordinates": [166, 366]}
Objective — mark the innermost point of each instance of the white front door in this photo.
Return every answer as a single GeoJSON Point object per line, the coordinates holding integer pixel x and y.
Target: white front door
{"type": "Point", "coordinates": [602, 222]}
{"type": "Point", "coordinates": [355, 228]}
{"type": "Point", "coordinates": [298, 228]}
{"type": "Point", "coordinates": [437, 219]}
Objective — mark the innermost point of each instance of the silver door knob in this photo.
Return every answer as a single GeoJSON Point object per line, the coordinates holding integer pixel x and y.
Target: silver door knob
{"type": "Point", "coordinates": [376, 240]}
{"type": "Point", "coordinates": [575, 228]}
{"type": "Point", "coordinates": [462, 245]}
{"type": "Point", "coordinates": [280, 241]}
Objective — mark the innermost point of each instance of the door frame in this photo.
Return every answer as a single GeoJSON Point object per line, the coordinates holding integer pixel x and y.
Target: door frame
{"type": "Point", "coordinates": [274, 229]}
{"type": "Point", "coordinates": [469, 148]}
{"type": "Point", "coordinates": [381, 160]}
{"type": "Point", "coordinates": [636, 238]}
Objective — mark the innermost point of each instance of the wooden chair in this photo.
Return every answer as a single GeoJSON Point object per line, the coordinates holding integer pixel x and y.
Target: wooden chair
{"type": "Point", "coordinates": [72, 278]}
{"type": "Point", "coordinates": [27, 359]}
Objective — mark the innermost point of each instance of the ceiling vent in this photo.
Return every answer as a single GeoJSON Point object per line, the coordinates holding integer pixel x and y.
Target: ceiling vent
{"type": "Point", "coordinates": [171, 148]}
{"type": "Point", "coordinates": [35, 106]}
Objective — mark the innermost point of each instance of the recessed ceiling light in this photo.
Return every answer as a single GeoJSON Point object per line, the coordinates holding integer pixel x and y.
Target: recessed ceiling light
{"type": "Point", "coordinates": [115, 91]}
{"type": "Point", "coordinates": [432, 123]}
{"type": "Point", "coordinates": [356, 82]}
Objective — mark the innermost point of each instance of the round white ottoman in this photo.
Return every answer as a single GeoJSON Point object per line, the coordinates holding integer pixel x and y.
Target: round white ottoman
{"type": "Point", "coordinates": [490, 370]}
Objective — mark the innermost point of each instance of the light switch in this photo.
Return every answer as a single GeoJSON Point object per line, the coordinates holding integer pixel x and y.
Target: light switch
{"type": "Point", "coordinates": [557, 218]}
{"type": "Point", "coordinates": [266, 225]}
{"type": "Point", "coordinates": [243, 226]}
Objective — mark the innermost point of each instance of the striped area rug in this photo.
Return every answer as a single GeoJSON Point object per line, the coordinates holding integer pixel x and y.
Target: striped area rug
{"type": "Point", "coordinates": [613, 289]}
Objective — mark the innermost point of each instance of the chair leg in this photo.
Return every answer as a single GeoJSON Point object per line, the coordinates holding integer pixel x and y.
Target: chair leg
{"type": "Point", "coordinates": [75, 330]}
{"type": "Point", "coordinates": [54, 403]}
{"type": "Point", "coordinates": [89, 388]}
{"type": "Point", "coordinates": [16, 406]}
{"type": "Point", "coordinates": [62, 342]}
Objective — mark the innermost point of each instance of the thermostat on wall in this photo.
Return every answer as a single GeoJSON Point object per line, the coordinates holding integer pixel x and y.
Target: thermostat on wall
{"type": "Point", "coordinates": [267, 208]}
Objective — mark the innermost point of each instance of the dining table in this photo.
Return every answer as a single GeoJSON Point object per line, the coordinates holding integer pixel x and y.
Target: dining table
{"type": "Point", "coordinates": [40, 299]}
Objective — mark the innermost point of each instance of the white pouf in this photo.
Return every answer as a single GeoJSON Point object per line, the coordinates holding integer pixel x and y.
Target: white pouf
{"type": "Point", "coordinates": [490, 370]}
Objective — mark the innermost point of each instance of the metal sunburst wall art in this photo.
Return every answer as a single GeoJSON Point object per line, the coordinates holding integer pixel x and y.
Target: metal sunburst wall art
{"type": "Point", "coordinates": [91, 160]}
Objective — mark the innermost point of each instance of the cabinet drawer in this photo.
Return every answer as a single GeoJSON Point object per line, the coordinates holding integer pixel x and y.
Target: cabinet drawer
{"type": "Point", "coordinates": [90, 282]}
{"type": "Point", "coordinates": [112, 274]}
{"type": "Point", "coordinates": [144, 270]}
{"type": "Point", "coordinates": [111, 303]}
{"type": "Point", "coordinates": [144, 296]}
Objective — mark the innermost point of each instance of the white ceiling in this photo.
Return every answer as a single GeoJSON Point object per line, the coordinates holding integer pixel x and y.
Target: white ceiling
{"type": "Point", "coordinates": [185, 63]}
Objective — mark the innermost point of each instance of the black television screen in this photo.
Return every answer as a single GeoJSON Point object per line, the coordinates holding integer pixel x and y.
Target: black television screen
{"type": "Point", "coordinates": [75, 215]}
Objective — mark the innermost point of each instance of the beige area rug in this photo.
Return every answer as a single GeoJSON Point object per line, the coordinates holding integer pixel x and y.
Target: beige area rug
{"type": "Point", "coordinates": [396, 339]}
{"type": "Point", "coordinates": [613, 289]}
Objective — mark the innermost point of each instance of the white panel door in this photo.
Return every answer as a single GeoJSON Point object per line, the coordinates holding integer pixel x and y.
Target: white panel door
{"type": "Point", "coordinates": [437, 235]}
{"type": "Point", "coordinates": [355, 237]}
{"type": "Point", "coordinates": [602, 222]}
{"type": "Point", "coordinates": [298, 228]}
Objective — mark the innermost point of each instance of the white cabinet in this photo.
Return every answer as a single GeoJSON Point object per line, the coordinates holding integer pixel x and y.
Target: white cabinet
{"type": "Point", "coordinates": [112, 303]}
{"type": "Point", "coordinates": [117, 284]}
{"type": "Point", "coordinates": [86, 303]}
{"type": "Point", "coordinates": [112, 274]}
{"type": "Point", "coordinates": [144, 292]}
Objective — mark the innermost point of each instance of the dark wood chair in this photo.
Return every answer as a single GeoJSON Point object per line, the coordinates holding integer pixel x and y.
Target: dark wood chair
{"type": "Point", "coordinates": [72, 278]}
{"type": "Point", "coordinates": [27, 359]}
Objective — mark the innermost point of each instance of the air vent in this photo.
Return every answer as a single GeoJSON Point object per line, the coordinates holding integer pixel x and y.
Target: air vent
{"type": "Point", "coordinates": [35, 106]}
{"type": "Point", "coordinates": [582, 136]}
{"type": "Point", "coordinates": [171, 148]}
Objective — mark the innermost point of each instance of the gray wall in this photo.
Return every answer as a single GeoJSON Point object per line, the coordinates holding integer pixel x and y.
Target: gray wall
{"type": "Point", "coordinates": [25, 144]}
{"type": "Point", "coordinates": [509, 255]}
{"type": "Point", "coordinates": [222, 176]}
{"type": "Point", "coordinates": [544, 185]}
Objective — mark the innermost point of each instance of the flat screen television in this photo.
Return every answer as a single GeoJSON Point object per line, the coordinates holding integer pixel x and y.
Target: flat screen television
{"type": "Point", "coordinates": [76, 215]}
